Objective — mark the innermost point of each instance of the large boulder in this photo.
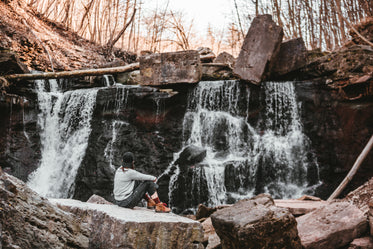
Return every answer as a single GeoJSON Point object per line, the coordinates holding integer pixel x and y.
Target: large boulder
{"type": "Point", "coordinates": [116, 227]}
{"type": "Point", "coordinates": [261, 45]}
{"type": "Point", "coordinates": [170, 68]}
{"type": "Point", "coordinates": [292, 56]}
{"type": "Point", "coordinates": [30, 221]}
{"type": "Point", "coordinates": [256, 223]}
{"type": "Point", "coordinates": [331, 226]}
{"type": "Point", "coordinates": [217, 71]}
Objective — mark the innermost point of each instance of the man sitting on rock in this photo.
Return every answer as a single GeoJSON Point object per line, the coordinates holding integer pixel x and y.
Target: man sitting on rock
{"type": "Point", "coordinates": [130, 186]}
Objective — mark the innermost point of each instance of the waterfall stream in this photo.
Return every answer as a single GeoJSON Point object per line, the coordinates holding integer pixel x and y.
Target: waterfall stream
{"type": "Point", "coordinates": [64, 122]}
{"type": "Point", "coordinates": [274, 156]}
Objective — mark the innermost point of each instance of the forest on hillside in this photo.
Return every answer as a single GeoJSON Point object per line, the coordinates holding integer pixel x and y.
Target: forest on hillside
{"type": "Point", "coordinates": [129, 25]}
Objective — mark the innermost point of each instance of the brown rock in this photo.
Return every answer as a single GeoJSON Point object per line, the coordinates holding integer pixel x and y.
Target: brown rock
{"type": "Point", "coordinates": [292, 56]}
{"type": "Point", "coordinates": [30, 221]}
{"type": "Point", "coordinates": [116, 227]}
{"type": "Point", "coordinates": [214, 71]}
{"type": "Point", "coordinates": [362, 196]}
{"type": "Point", "coordinates": [256, 223]}
{"type": "Point", "coordinates": [170, 68]}
{"type": "Point", "coordinates": [260, 46]}
{"type": "Point", "coordinates": [206, 54]}
{"type": "Point", "coordinates": [203, 211]}
{"type": "Point", "coordinates": [362, 243]}
{"type": "Point", "coordinates": [225, 58]}
{"type": "Point", "coordinates": [331, 226]}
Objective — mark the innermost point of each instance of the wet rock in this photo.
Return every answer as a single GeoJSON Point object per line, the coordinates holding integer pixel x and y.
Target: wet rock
{"type": "Point", "coordinates": [170, 68]}
{"type": "Point", "coordinates": [362, 243]}
{"type": "Point", "coordinates": [134, 228]}
{"type": "Point", "coordinates": [292, 56]}
{"type": "Point", "coordinates": [331, 226]}
{"type": "Point", "coordinates": [191, 155]}
{"type": "Point", "coordinates": [260, 47]}
{"type": "Point", "coordinates": [256, 223]}
{"type": "Point", "coordinates": [30, 221]}
{"type": "Point", "coordinates": [225, 58]}
{"type": "Point", "coordinates": [207, 55]}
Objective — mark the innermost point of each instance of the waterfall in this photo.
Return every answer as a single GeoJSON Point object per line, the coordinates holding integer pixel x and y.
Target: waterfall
{"type": "Point", "coordinates": [64, 122]}
{"type": "Point", "coordinates": [274, 156]}
{"type": "Point", "coordinates": [120, 102]}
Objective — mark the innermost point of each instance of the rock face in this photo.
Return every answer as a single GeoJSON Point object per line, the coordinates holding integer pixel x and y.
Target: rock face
{"type": "Point", "coordinates": [170, 68]}
{"type": "Point", "coordinates": [331, 226]}
{"type": "Point", "coordinates": [138, 119]}
{"type": "Point", "coordinates": [30, 221]}
{"type": "Point", "coordinates": [261, 45]}
{"type": "Point", "coordinates": [115, 227]}
{"type": "Point", "coordinates": [256, 223]}
{"type": "Point", "coordinates": [362, 196]}
{"type": "Point", "coordinates": [292, 56]}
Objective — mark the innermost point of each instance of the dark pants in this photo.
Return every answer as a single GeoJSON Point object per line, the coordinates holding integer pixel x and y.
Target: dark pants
{"type": "Point", "coordinates": [139, 191]}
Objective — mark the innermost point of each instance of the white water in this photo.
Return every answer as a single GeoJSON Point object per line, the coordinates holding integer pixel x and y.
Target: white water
{"type": "Point", "coordinates": [272, 157]}
{"type": "Point", "coordinates": [64, 122]}
{"type": "Point", "coordinates": [121, 101]}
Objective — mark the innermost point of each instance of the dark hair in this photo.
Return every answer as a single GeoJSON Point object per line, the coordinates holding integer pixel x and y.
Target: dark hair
{"type": "Point", "coordinates": [128, 159]}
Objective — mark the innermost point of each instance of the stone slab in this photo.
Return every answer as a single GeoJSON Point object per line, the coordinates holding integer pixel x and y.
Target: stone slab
{"type": "Point", "coordinates": [261, 45]}
{"type": "Point", "coordinates": [299, 207]}
{"type": "Point", "coordinates": [171, 68]}
{"type": "Point", "coordinates": [116, 227]}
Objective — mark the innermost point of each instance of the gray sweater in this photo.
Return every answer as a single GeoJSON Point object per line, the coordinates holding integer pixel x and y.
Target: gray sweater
{"type": "Point", "coordinates": [124, 181]}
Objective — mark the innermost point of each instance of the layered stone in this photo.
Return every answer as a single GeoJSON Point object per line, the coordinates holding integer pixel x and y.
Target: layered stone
{"type": "Point", "coordinates": [171, 68]}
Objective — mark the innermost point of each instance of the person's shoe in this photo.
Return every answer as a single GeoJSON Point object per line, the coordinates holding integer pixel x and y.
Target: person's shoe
{"type": "Point", "coordinates": [161, 208]}
{"type": "Point", "coordinates": [151, 204]}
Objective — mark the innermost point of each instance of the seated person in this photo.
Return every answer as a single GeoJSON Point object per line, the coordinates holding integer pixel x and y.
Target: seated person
{"type": "Point", "coordinates": [130, 186]}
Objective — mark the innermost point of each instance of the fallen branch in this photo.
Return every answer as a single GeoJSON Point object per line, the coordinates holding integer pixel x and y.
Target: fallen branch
{"type": "Point", "coordinates": [76, 73]}
{"type": "Point", "coordinates": [353, 170]}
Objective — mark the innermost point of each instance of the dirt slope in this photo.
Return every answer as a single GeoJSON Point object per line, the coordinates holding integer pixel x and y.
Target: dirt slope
{"type": "Point", "coordinates": [67, 49]}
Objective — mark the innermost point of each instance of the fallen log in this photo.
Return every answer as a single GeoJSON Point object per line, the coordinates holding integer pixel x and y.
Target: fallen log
{"type": "Point", "coordinates": [76, 73]}
{"type": "Point", "coordinates": [353, 170]}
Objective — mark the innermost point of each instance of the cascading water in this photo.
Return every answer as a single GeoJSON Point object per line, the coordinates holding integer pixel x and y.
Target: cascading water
{"type": "Point", "coordinates": [120, 103]}
{"type": "Point", "coordinates": [241, 160]}
{"type": "Point", "coordinates": [64, 122]}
